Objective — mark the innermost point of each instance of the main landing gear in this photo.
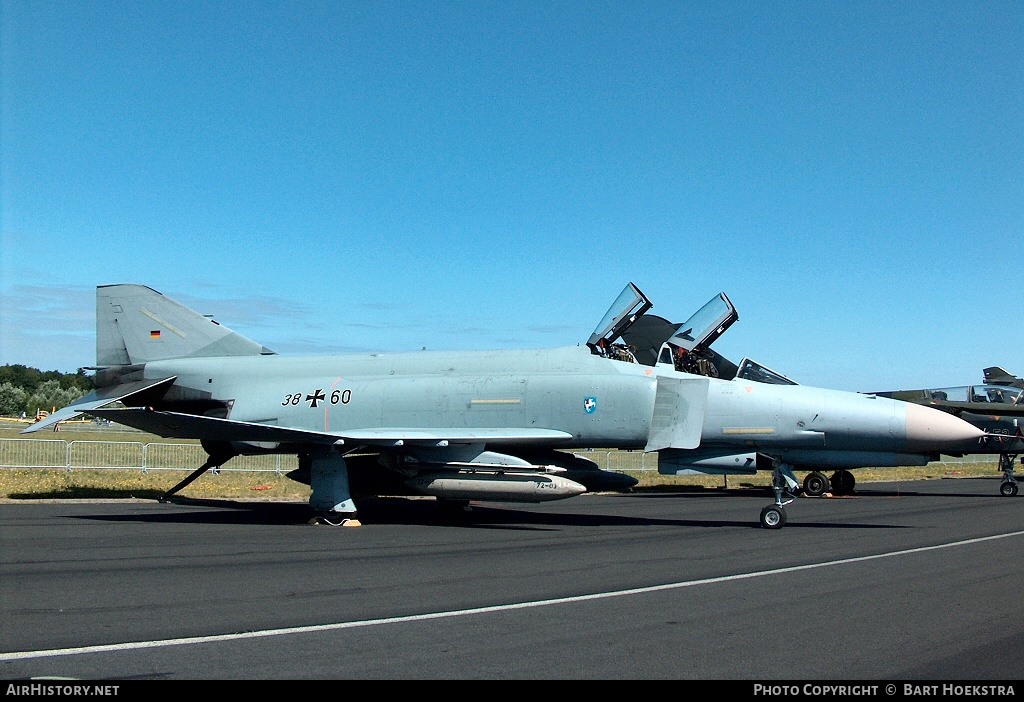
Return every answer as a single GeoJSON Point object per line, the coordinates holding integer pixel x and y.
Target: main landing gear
{"type": "Point", "coordinates": [1008, 488]}
{"type": "Point", "coordinates": [816, 484]}
{"type": "Point", "coordinates": [345, 519]}
{"type": "Point", "coordinates": [842, 482]}
{"type": "Point", "coordinates": [774, 516]}
{"type": "Point", "coordinates": [331, 498]}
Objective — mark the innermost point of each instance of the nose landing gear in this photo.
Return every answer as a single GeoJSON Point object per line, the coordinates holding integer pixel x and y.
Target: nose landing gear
{"type": "Point", "coordinates": [774, 516]}
{"type": "Point", "coordinates": [1008, 488]}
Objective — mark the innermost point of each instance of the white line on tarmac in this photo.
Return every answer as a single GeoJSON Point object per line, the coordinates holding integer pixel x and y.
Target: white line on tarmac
{"type": "Point", "coordinates": [160, 643]}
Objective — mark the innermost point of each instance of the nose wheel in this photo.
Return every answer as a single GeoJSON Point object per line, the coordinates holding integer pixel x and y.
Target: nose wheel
{"type": "Point", "coordinates": [1008, 488]}
{"type": "Point", "coordinates": [774, 516]}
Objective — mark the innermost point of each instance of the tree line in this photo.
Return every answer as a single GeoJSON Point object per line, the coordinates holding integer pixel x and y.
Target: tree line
{"type": "Point", "coordinates": [29, 390]}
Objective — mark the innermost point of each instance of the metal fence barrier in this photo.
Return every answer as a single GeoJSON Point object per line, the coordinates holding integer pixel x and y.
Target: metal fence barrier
{"type": "Point", "coordinates": [106, 454]}
{"type": "Point", "coordinates": [34, 453]}
{"type": "Point", "coordinates": [127, 455]}
{"type": "Point", "coordinates": [621, 460]}
{"type": "Point", "coordinates": [134, 455]}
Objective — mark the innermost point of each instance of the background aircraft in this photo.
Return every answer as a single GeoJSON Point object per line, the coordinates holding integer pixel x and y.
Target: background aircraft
{"type": "Point", "coordinates": [484, 425]}
{"type": "Point", "coordinates": [997, 407]}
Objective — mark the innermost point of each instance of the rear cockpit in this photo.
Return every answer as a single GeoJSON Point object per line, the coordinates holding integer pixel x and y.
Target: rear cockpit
{"type": "Point", "coordinates": [688, 349]}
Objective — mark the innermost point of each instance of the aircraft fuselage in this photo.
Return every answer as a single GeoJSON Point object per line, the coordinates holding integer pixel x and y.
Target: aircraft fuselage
{"type": "Point", "coordinates": [601, 403]}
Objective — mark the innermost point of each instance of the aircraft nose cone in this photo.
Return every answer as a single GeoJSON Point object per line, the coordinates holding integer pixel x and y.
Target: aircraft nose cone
{"type": "Point", "coordinates": [931, 428]}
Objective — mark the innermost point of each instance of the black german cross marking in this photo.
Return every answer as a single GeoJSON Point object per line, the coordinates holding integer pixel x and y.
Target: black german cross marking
{"type": "Point", "coordinates": [316, 397]}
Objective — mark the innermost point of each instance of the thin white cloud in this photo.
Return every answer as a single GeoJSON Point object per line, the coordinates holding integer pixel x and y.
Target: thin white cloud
{"type": "Point", "coordinates": [48, 327]}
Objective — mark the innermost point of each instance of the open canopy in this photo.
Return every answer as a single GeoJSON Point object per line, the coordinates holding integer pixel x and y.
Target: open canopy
{"type": "Point", "coordinates": [706, 324]}
{"type": "Point", "coordinates": [630, 304]}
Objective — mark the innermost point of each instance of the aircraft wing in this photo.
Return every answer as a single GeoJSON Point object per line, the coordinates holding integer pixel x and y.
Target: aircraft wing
{"type": "Point", "coordinates": [391, 437]}
{"type": "Point", "coordinates": [97, 398]}
{"type": "Point", "coordinates": [176, 424]}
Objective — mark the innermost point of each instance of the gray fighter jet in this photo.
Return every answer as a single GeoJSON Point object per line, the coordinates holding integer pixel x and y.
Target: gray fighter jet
{"type": "Point", "coordinates": [476, 425]}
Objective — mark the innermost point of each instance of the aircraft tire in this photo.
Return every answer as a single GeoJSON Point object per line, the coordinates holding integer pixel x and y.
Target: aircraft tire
{"type": "Point", "coordinates": [842, 482]}
{"type": "Point", "coordinates": [773, 517]}
{"type": "Point", "coordinates": [816, 484]}
{"type": "Point", "coordinates": [1008, 489]}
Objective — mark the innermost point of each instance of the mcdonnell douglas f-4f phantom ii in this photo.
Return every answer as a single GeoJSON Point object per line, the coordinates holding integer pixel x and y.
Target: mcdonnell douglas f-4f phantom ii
{"type": "Point", "coordinates": [997, 407]}
{"type": "Point", "coordinates": [471, 425]}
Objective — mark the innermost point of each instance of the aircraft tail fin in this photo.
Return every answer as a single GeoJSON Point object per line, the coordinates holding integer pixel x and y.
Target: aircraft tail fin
{"type": "Point", "coordinates": [998, 376]}
{"type": "Point", "coordinates": [136, 324]}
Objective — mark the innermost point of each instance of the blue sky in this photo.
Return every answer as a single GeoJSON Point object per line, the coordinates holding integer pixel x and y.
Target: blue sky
{"type": "Point", "coordinates": [348, 176]}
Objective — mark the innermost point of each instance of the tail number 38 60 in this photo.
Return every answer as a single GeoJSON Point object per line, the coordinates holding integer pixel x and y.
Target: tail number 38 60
{"type": "Point", "coordinates": [316, 397]}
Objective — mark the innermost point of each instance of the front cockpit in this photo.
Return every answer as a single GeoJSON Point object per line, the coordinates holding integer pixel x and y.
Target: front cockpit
{"type": "Point", "coordinates": [688, 349]}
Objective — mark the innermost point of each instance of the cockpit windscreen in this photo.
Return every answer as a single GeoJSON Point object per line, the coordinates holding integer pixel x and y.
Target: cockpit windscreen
{"type": "Point", "coordinates": [752, 370]}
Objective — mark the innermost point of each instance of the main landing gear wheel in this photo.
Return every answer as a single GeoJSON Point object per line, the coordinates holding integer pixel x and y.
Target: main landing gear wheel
{"type": "Point", "coordinates": [843, 482]}
{"type": "Point", "coordinates": [336, 519]}
{"type": "Point", "coordinates": [816, 484]}
{"type": "Point", "coordinates": [1008, 489]}
{"type": "Point", "coordinates": [773, 517]}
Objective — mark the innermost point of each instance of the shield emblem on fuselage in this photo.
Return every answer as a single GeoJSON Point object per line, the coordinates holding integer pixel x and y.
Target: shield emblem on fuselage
{"type": "Point", "coordinates": [589, 404]}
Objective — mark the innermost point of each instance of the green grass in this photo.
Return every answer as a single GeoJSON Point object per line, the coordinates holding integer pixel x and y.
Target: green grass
{"type": "Point", "coordinates": [47, 483]}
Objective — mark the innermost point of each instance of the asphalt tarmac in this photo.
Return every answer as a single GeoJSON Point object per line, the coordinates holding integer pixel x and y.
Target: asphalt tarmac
{"type": "Point", "coordinates": [910, 581]}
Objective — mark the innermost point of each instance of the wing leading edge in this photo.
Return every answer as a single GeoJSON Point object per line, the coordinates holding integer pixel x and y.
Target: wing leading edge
{"type": "Point", "coordinates": [176, 424]}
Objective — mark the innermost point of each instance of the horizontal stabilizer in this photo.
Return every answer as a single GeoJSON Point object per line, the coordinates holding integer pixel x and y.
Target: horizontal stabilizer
{"type": "Point", "coordinates": [97, 398]}
{"type": "Point", "coordinates": [190, 426]}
